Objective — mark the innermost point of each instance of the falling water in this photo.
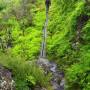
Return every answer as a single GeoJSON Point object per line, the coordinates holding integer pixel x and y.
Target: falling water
{"type": "Point", "coordinates": [44, 36]}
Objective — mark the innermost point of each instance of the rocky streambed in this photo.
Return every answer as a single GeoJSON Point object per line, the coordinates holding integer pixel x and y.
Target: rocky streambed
{"type": "Point", "coordinates": [57, 80]}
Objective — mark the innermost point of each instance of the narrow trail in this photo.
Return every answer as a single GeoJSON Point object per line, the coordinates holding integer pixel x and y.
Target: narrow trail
{"type": "Point", "coordinates": [57, 81]}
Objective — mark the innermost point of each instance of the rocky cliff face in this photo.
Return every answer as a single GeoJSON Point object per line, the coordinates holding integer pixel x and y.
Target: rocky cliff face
{"type": "Point", "coordinates": [6, 81]}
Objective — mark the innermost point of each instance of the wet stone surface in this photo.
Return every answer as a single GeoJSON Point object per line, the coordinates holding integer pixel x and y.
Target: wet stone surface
{"type": "Point", "coordinates": [57, 80]}
{"type": "Point", "coordinates": [6, 81]}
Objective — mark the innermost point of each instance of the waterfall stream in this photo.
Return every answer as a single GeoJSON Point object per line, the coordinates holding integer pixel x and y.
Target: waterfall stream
{"type": "Point", "coordinates": [44, 36]}
{"type": "Point", "coordinates": [57, 80]}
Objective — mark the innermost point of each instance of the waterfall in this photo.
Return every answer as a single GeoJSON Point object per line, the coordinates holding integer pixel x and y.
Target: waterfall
{"type": "Point", "coordinates": [44, 36]}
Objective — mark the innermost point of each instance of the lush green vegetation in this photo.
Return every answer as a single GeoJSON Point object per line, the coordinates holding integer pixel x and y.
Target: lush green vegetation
{"type": "Point", "coordinates": [68, 41]}
{"type": "Point", "coordinates": [26, 74]}
{"type": "Point", "coordinates": [20, 41]}
{"type": "Point", "coordinates": [70, 52]}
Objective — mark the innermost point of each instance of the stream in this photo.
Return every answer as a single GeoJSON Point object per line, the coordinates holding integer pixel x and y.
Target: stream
{"type": "Point", "coordinates": [57, 80]}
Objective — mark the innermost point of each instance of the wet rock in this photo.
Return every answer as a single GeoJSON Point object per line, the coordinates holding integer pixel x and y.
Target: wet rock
{"type": "Point", "coordinates": [39, 88]}
{"type": "Point", "coordinates": [42, 61]}
{"type": "Point", "coordinates": [6, 81]}
{"type": "Point", "coordinates": [53, 67]}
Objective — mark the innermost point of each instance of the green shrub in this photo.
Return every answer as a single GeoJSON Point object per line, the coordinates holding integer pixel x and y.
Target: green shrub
{"type": "Point", "coordinates": [24, 72]}
{"type": "Point", "coordinates": [78, 75]}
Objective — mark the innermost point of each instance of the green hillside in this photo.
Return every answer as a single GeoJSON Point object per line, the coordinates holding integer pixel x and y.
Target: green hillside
{"type": "Point", "coordinates": [68, 41]}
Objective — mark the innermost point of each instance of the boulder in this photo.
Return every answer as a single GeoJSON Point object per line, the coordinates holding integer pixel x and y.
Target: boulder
{"type": "Point", "coordinates": [6, 81]}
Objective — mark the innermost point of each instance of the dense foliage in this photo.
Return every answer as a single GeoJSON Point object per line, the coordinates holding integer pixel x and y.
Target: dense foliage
{"type": "Point", "coordinates": [20, 41]}
{"type": "Point", "coordinates": [68, 41]}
